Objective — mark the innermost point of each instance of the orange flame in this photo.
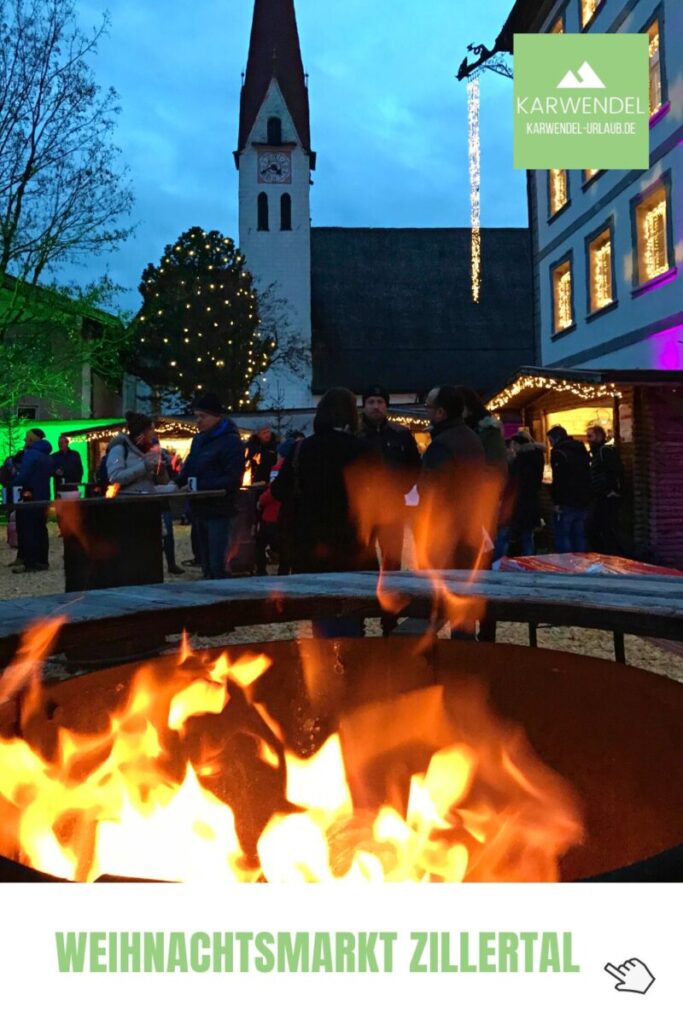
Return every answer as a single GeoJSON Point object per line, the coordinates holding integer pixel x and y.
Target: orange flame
{"type": "Point", "coordinates": [452, 528]}
{"type": "Point", "coordinates": [426, 786]}
{"type": "Point", "coordinates": [112, 490]}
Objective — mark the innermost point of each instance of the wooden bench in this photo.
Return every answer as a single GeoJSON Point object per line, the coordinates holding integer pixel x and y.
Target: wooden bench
{"type": "Point", "coordinates": [128, 621]}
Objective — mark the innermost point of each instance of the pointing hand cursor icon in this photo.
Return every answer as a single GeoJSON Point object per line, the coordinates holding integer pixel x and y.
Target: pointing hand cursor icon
{"type": "Point", "coordinates": [631, 976]}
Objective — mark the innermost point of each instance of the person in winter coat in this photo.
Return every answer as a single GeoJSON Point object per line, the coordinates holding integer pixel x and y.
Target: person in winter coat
{"type": "Point", "coordinates": [312, 482]}
{"type": "Point", "coordinates": [261, 455]}
{"type": "Point", "coordinates": [132, 459]}
{"type": "Point", "coordinates": [488, 429]}
{"type": "Point", "coordinates": [166, 474]}
{"type": "Point", "coordinates": [216, 463]}
{"type": "Point", "coordinates": [523, 494]}
{"type": "Point", "coordinates": [267, 532]}
{"type": "Point", "coordinates": [571, 490]}
{"type": "Point", "coordinates": [34, 477]}
{"type": "Point", "coordinates": [8, 473]}
{"type": "Point", "coordinates": [398, 461]}
{"type": "Point", "coordinates": [67, 467]}
{"type": "Point", "coordinates": [607, 476]}
{"type": "Point", "coordinates": [449, 526]}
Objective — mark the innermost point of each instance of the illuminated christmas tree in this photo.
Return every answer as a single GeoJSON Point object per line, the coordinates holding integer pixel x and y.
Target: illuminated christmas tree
{"type": "Point", "coordinates": [199, 326]}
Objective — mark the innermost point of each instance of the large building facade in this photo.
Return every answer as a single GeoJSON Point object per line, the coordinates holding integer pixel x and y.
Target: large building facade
{"type": "Point", "coordinates": [608, 245]}
{"type": "Point", "coordinates": [357, 306]}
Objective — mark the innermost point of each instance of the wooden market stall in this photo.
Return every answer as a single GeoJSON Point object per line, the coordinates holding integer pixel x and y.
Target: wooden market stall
{"type": "Point", "coordinates": [642, 414]}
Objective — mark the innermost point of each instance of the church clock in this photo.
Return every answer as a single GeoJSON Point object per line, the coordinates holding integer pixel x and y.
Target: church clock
{"type": "Point", "coordinates": [275, 168]}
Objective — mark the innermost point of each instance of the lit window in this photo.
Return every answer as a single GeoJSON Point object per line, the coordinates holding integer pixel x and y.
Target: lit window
{"type": "Point", "coordinates": [651, 236]}
{"type": "Point", "coordinates": [588, 10]}
{"type": "Point", "coordinates": [562, 296]}
{"type": "Point", "coordinates": [559, 190]}
{"type": "Point", "coordinates": [557, 27]}
{"type": "Point", "coordinates": [600, 271]}
{"type": "Point", "coordinates": [655, 68]}
{"type": "Point", "coordinates": [589, 175]}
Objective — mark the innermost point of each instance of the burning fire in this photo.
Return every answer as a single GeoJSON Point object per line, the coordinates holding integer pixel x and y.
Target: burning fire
{"type": "Point", "coordinates": [452, 529]}
{"type": "Point", "coordinates": [112, 490]}
{"type": "Point", "coordinates": [428, 786]}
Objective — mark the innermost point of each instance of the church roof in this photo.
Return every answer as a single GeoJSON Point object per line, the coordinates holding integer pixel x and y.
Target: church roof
{"type": "Point", "coordinates": [274, 52]}
{"type": "Point", "coordinates": [393, 305]}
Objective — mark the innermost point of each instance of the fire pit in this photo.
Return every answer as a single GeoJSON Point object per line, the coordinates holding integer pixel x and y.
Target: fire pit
{"type": "Point", "coordinates": [371, 759]}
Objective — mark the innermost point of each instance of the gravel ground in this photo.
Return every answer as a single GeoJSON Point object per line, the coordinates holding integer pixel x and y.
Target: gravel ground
{"type": "Point", "coordinates": [596, 643]}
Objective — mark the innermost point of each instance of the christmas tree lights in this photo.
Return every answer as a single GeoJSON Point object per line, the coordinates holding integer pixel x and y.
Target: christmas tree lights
{"type": "Point", "coordinates": [188, 342]}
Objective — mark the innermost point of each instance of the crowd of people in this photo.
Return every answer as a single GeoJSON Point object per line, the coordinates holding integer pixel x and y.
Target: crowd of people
{"type": "Point", "coordinates": [341, 499]}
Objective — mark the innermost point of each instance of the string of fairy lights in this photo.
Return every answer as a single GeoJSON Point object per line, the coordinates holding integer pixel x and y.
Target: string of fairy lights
{"type": "Point", "coordinates": [537, 382]}
{"type": "Point", "coordinates": [474, 151]}
{"type": "Point", "coordinates": [211, 345]}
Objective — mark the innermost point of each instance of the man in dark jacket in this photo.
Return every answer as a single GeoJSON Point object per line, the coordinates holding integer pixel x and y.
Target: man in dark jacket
{"type": "Point", "coordinates": [606, 483]}
{"type": "Point", "coordinates": [571, 490]}
{"type": "Point", "coordinates": [67, 467]}
{"type": "Point", "coordinates": [34, 476]}
{"type": "Point", "coordinates": [523, 492]}
{"type": "Point", "coordinates": [398, 464]}
{"type": "Point", "coordinates": [450, 485]}
{"type": "Point", "coordinates": [215, 463]}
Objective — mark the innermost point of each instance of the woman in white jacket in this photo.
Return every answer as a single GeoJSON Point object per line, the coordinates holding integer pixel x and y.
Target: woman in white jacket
{"type": "Point", "coordinates": [134, 460]}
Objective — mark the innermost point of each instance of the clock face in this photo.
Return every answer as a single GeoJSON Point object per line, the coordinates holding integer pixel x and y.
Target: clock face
{"type": "Point", "coordinates": [275, 168]}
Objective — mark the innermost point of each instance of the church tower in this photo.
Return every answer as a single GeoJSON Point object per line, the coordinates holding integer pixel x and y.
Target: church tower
{"type": "Point", "coordinates": [275, 160]}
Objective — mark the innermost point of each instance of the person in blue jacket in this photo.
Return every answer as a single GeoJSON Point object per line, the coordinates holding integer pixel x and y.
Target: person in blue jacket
{"type": "Point", "coordinates": [216, 462]}
{"type": "Point", "coordinates": [34, 477]}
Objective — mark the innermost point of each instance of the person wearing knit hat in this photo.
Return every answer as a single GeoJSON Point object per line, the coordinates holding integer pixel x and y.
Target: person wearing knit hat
{"type": "Point", "coordinates": [376, 391]}
{"type": "Point", "coordinates": [398, 467]}
{"type": "Point", "coordinates": [208, 403]}
{"type": "Point", "coordinates": [215, 463]}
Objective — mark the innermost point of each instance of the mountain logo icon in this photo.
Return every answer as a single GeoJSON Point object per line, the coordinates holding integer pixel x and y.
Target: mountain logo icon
{"type": "Point", "coordinates": [586, 78]}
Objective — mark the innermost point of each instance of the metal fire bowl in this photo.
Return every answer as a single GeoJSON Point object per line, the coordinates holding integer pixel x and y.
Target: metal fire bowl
{"type": "Point", "coordinates": [613, 732]}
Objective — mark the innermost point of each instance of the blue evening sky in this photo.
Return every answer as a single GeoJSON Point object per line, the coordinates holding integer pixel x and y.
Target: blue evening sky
{"type": "Point", "coordinates": [388, 118]}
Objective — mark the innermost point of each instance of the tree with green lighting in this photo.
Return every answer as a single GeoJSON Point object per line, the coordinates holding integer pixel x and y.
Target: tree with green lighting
{"type": "Point", "coordinates": [43, 353]}
{"type": "Point", "coordinates": [199, 327]}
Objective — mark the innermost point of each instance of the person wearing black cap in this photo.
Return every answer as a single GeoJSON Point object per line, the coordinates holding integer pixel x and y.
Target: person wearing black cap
{"type": "Point", "coordinates": [398, 459]}
{"type": "Point", "coordinates": [216, 462]}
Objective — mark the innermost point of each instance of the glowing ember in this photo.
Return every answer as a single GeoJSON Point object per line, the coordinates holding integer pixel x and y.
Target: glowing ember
{"type": "Point", "coordinates": [142, 796]}
{"type": "Point", "coordinates": [112, 490]}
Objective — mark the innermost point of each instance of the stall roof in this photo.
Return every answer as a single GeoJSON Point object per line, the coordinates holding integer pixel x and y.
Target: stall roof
{"type": "Point", "coordinates": [164, 425]}
{"type": "Point", "coordinates": [531, 381]}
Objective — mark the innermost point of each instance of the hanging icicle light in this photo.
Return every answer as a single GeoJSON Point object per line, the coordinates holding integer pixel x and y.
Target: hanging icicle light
{"type": "Point", "coordinates": [474, 152]}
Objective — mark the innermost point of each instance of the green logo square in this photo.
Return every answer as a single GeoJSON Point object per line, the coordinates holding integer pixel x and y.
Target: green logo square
{"type": "Point", "coordinates": [581, 101]}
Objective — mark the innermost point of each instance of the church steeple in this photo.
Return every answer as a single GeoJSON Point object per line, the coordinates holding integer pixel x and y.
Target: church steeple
{"type": "Point", "coordinates": [275, 53]}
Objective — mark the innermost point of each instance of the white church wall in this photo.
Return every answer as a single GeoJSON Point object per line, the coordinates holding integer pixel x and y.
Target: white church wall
{"type": "Point", "coordinates": [280, 260]}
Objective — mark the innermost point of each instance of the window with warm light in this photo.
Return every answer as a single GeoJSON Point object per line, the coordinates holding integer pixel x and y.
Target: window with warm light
{"type": "Point", "coordinates": [558, 191]}
{"type": "Point", "coordinates": [600, 271]}
{"type": "Point", "coordinates": [652, 235]}
{"type": "Point", "coordinates": [588, 10]}
{"type": "Point", "coordinates": [589, 175]}
{"type": "Point", "coordinates": [655, 67]}
{"type": "Point", "coordinates": [563, 315]}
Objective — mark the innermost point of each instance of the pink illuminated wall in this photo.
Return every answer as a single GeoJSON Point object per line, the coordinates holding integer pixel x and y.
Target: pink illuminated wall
{"type": "Point", "coordinates": [667, 349]}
